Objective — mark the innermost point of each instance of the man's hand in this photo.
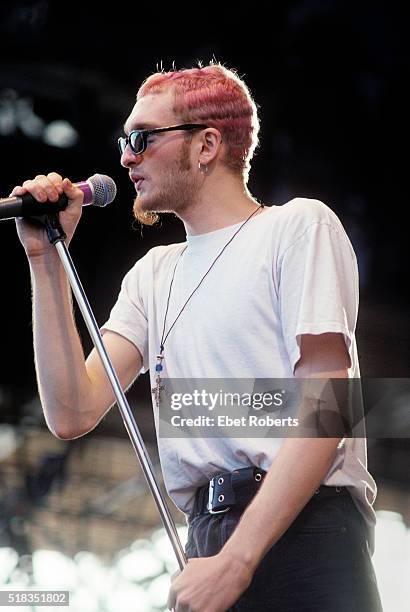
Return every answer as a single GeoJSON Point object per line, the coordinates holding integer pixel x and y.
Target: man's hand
{"type": "Point", "coordinates": [48, 188]}
{"type": "Point", "coordinates": [209, 584]}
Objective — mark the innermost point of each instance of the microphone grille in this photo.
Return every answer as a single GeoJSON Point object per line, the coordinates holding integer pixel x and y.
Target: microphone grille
{"type": "Point", "coordinates": [104, 189]}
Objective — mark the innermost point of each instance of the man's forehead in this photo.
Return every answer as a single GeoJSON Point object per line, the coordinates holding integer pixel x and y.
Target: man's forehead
{"type": "Point", "coordinates": [151, 111]}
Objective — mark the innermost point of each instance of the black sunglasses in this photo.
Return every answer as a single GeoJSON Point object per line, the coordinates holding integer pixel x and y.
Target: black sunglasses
{"type": "Point", "coordinates": [137, 139]}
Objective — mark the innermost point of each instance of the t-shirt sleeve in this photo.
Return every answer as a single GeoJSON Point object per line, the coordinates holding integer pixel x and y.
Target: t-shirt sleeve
{"type": "Point", "coordinates": [128, 317]}
{"type": "Point", "coordinates": [318, 287]}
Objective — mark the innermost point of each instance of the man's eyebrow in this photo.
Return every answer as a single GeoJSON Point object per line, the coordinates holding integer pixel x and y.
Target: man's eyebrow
{"type": "Point", "coordinates": [139, 126]}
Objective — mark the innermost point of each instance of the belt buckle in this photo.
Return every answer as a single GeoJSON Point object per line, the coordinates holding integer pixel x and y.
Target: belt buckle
{"type": "Point", "coordinates": [211, 499]}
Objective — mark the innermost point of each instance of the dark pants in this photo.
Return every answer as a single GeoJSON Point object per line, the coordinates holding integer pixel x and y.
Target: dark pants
{"type": "Point", "coordinates": [321, 563]}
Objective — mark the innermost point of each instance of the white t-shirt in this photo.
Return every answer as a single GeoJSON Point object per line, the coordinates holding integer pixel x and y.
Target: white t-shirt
{"type": "Point", "coordinates": [291, 270]}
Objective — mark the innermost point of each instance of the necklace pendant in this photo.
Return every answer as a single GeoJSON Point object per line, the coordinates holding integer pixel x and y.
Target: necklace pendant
{"type": "Point", "coordinates": [156, 391]}
{"type": "Point", "coordinates": [159, 367]}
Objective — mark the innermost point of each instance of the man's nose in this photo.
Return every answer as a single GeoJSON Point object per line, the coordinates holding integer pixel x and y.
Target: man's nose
{"type": "Point", "coordinates": [128, 158]}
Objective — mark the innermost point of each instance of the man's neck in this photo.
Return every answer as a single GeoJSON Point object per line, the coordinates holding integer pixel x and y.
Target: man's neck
{"type": "Point", "coordinates": [215, 210]}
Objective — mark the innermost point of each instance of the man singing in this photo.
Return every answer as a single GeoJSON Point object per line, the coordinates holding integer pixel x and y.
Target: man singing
{"type": "Point", "coordinates": [254, 292]}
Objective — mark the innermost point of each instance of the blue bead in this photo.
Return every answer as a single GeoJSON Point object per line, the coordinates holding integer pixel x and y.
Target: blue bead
{"type": "Point", "coordinates": [158, 367]}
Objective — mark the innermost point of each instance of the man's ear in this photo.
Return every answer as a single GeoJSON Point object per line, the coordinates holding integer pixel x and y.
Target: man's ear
{"type": "Point", "coordinates": [210, 145]}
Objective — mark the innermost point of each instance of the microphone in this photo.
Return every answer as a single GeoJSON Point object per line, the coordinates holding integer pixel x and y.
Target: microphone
{"type": "Point", "coordinates": [98, 190]}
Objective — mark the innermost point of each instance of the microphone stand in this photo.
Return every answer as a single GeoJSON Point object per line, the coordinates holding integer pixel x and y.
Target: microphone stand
{"type": "Point", "coordinates": [57, 236]}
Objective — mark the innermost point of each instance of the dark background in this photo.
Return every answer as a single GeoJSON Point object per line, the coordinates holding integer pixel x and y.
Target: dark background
{"type": "Point", "coordinates": [330, 79]}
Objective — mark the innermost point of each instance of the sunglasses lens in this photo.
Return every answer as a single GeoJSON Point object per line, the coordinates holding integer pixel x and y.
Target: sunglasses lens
{"type": "Point", "coordinates": [122, 143]}
{"type": "Point", "coordinates": [136, 141]}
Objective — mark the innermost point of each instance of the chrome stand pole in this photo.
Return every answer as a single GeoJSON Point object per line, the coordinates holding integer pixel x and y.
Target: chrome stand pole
{"type": "Point", "coordinates": [57, 236]}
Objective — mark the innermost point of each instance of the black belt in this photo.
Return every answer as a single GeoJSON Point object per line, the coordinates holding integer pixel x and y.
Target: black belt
{"type": "Point", "coordinates": [228, 489]}
{"type": "Point", "coordinates": [236, 489]}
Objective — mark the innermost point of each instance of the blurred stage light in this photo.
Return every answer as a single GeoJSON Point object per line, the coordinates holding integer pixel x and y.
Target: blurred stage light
{"type": "Point", "coordinates": [136, 581]}
{"type": "Point", "coordinates": [54, 570]}
{"type": "Point", "coordinates": [17, 114]}
{"type": "Point", "coordinates": [129, 597]}
{"type": "Point", "coordinates": [60, 134]}
{"type": "Point", "coordinates": [158, 591]}
{"type": "Point", "coordinates": [164, 549]}
{"type": "Point", "coordinates": [8, 562]}
{"type": "Point", "coordinates": [392, 560]}
{"type": "Point", "coordinates": [8, 441]}
{"type": "Point", "coordinates": [140, 563]}
{"type": "Point", "coordinates": [84, 599]}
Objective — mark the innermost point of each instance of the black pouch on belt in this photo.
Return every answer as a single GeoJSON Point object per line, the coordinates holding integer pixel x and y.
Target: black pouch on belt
{"type": "Point", "coordinates": [232, 489]}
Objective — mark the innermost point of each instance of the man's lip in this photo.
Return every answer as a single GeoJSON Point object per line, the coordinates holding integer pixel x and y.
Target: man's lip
{"type": "Point", "coordinates": [137, 180]}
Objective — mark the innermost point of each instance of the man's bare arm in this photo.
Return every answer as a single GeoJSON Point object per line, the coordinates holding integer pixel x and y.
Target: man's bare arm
{"type": "Point", "coordinates": [298, 469]}
{"type": "Point", "coordinates": [75, 394]}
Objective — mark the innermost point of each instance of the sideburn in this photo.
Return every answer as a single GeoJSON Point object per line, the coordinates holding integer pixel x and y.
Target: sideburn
{"type": "Point", "coordinates": [184, 160]}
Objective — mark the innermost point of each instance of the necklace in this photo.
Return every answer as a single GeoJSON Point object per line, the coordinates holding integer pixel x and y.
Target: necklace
{"type": "Point", "coordinates": [156, 391]}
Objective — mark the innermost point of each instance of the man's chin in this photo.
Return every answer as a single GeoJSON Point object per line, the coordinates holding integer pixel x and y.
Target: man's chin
{"type": "Point", "coordinates": [144, 205]}
{"type": "Point", "coordinates": [144, 214]}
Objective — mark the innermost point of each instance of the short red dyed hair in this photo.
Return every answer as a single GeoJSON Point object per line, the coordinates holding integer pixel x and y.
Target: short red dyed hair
{"type": "Point", "coordinates": [218, 97]}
